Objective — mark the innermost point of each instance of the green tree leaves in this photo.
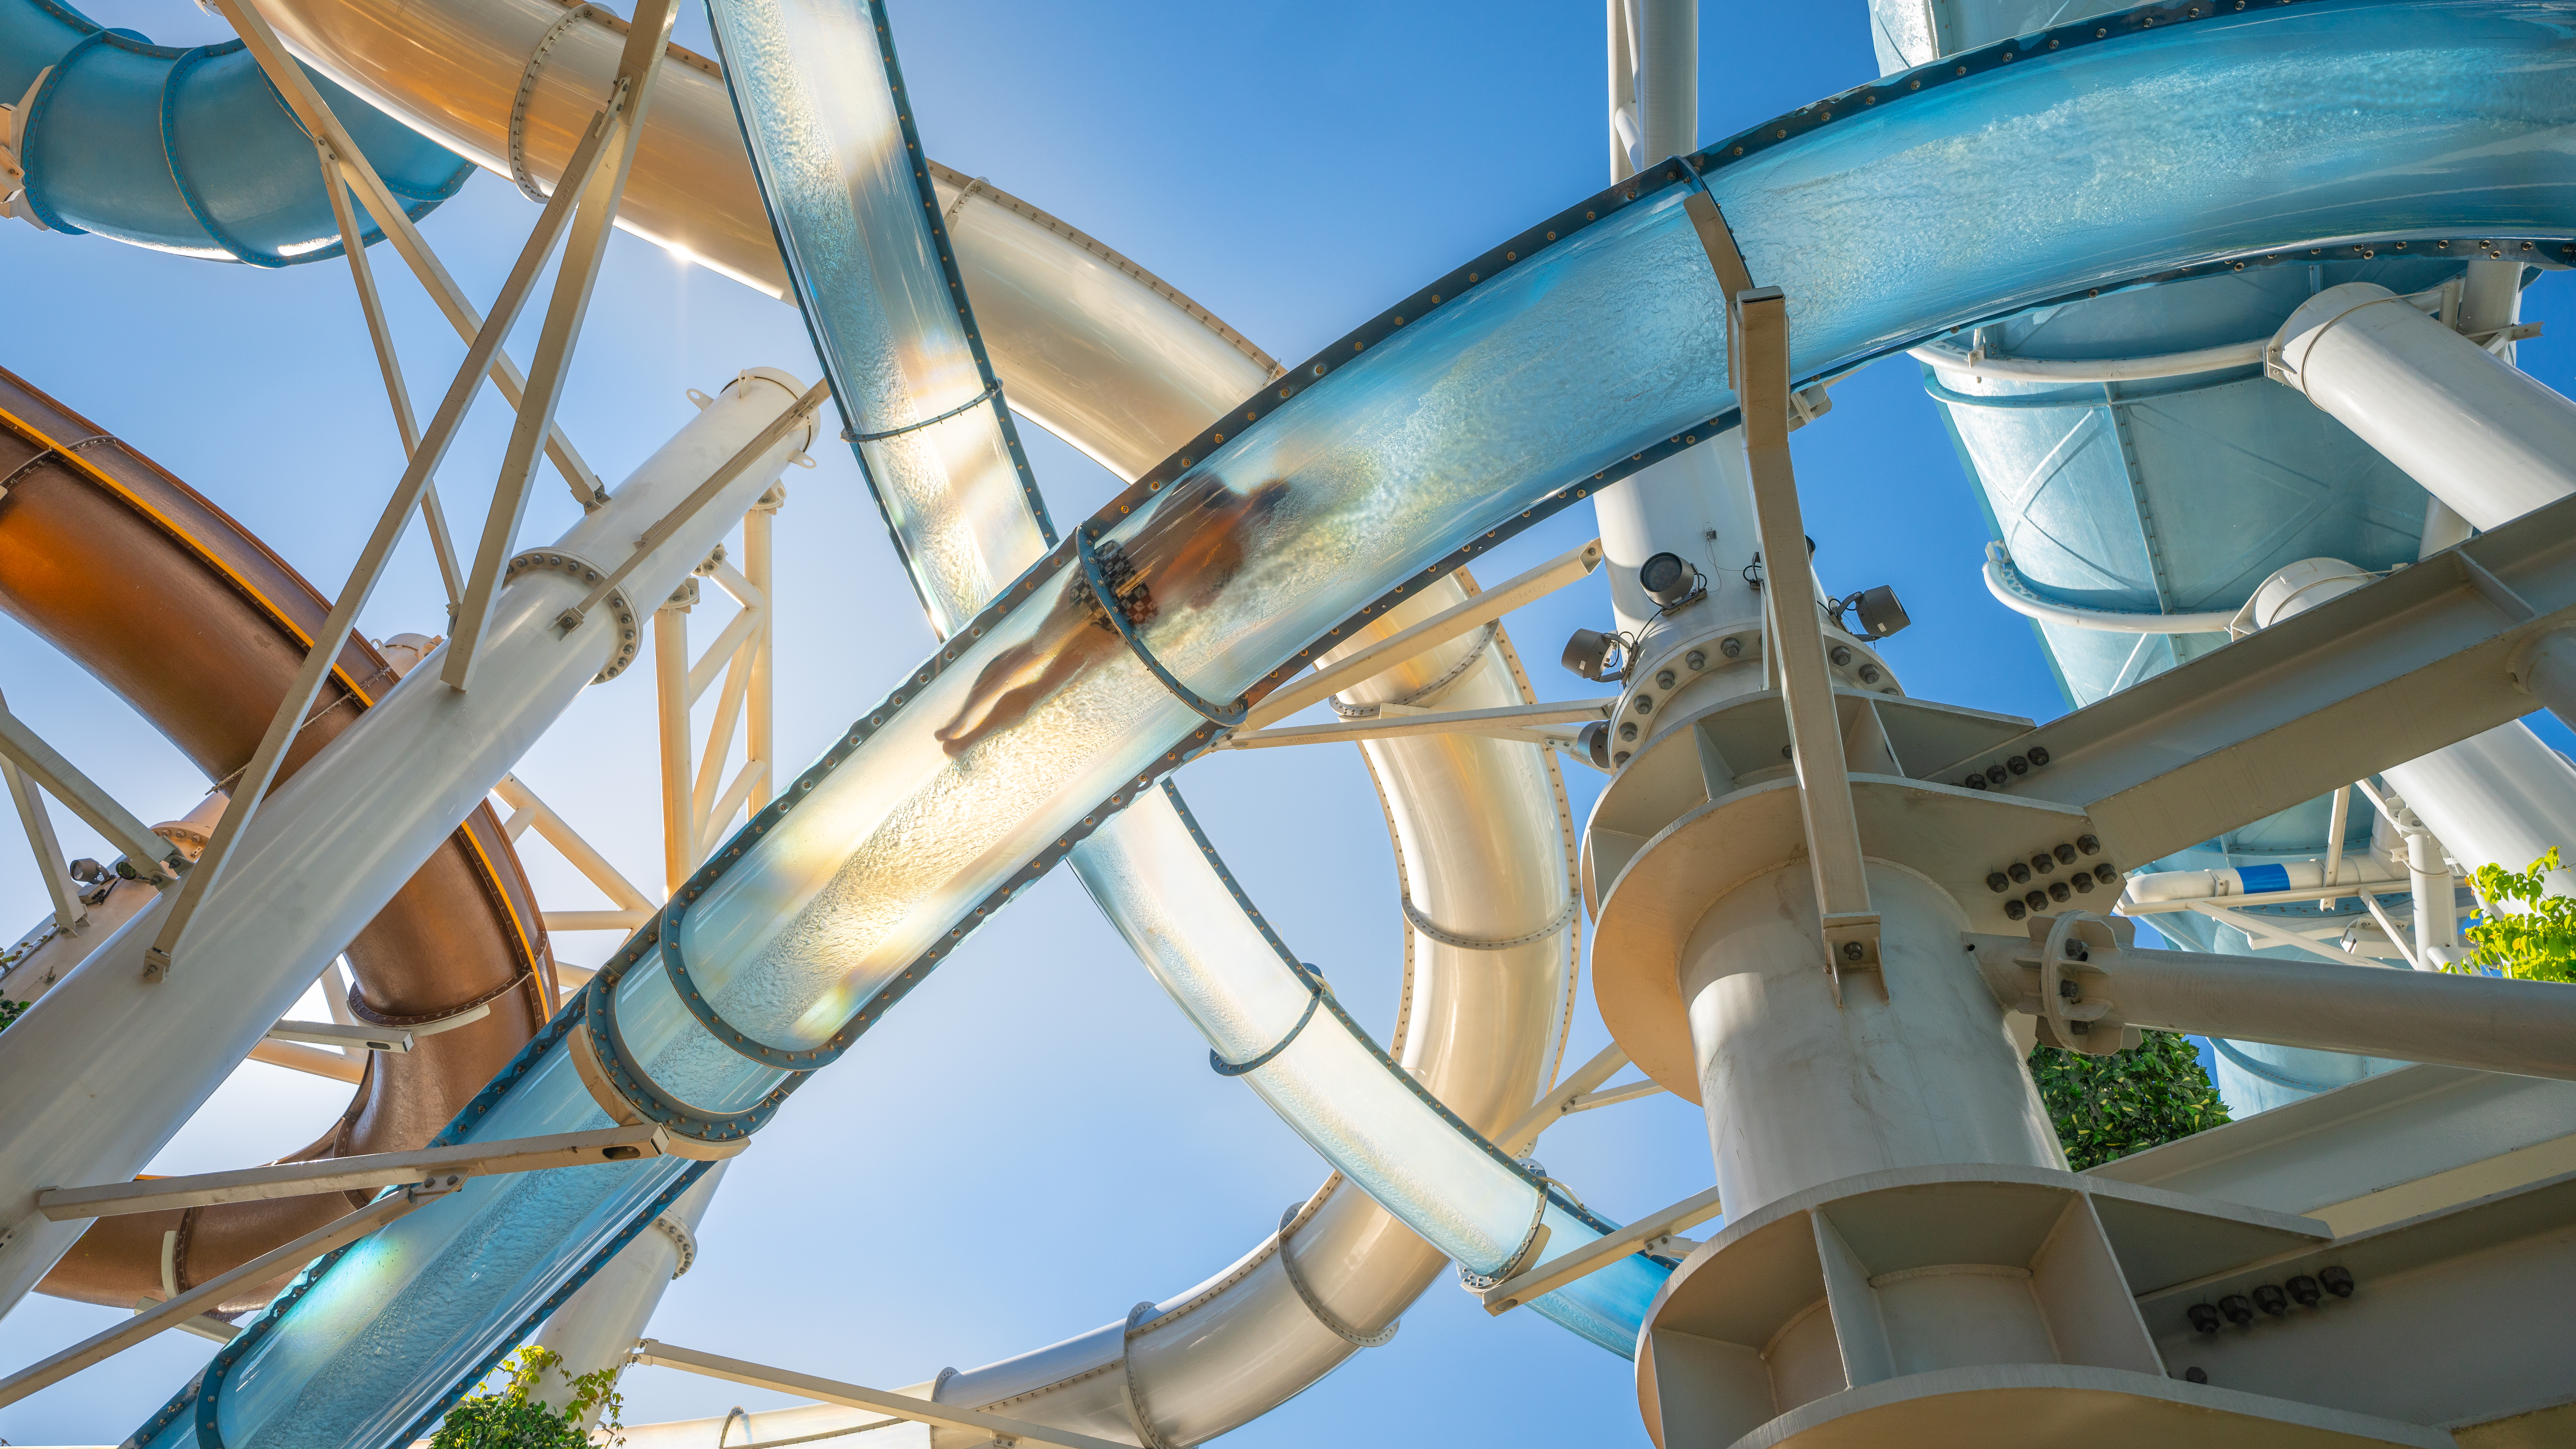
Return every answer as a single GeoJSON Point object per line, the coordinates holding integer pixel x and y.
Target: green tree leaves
{"type": "Point", "coordinates": [514, 1418]}
{"type": "Point", "coordinates": [2107, 1107]}
{"type": "Point", "coordinates": [2537, 943]}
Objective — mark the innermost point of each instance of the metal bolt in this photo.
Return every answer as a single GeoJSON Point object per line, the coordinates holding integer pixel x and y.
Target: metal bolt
{"type": "Point", "coordinates": [1664, 679]}
{"type": "Point", "coordinates": [2068, 989]}
{"type": "Point", "coordinates": [1784, 752]}
{"type": "Point", "coordinates": [1620, 758]}
{"type": "Point", "coordinates": [1998, 882]}
{"type": "Point", "coordinates": [2271, 1299]}
{"type": "Point", "coordinates": [2038, 755]}
{"type": "Point", "coordinates": [2081, 882]}
{"type": "Point", "coordinates": [1696, 659]}
{"type": "Point", "coordinates": [2043, 862]}
{"type": "Point", "coordinates": [1853, 951]}
{"type": "Point", "coordinates": [1628, 731]}
{"type": "Point", "coordinates": [1730, 646]}
{"type": "Point", "coordinates": [1995, 774]}
{"type": "Point", "coordinates": [1841, 655]}
{"type": "Point", "coordinates": [2089, 844]}
{"type": "Point", "coordinates": [2337, 1281]}
{"type": "Point", "coordinates": [2203, 1316]}
{"type": "Point", "coordinates": [1645, 704]}
{"type": "Point", "coordinates": [2057, 890]}
{"type": "Point", "coordinates": [2304, 1289]}
{"type": "Point", "coordinates": [1974, 782]}
{"type": "Point", "coordinates": [2106, 873]}
{"type": "Point", "coordinates": [2036, 900]}
{"type": "Point", "coordinates": [2018, 764]}
{"type": "Point", "coordinates": [2065, 855]}
{"type": "Point", "coordinates": [1869, 674]}
{"type": "Point", "coordinates": [2015, 910]}
{"type": "Point", "coordinates": [2018, 871]}
{"type": "Point", "coordinates": [2195, 1375]}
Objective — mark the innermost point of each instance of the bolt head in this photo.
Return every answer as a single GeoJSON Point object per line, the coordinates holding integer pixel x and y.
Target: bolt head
{"type": "Point", "coordinates": [2018, 764]}
{"type": "Point", "coordinates": [1853, 951]}
{"type": "Point", "coordinates": [2015, 910]}
{"type": "Point", "coordinates": [2038, 755]}
{"type": "Point", "coordinates": [2058, 891]}
{"type": "Point", "coordinates": [1999, 882]}
{"type": "Point", "coordinates": [2018, 871]}
{"type": "Point", "coordinates": [2036, 900]}
{"type": "Point", "coordinates": [2065, 854]}
{"type": "Point", "coordinates": [1664, 679]}
{"type": "Point", "coordinates": [2089, 844]}
{"type": "Point", "coordinates": [1730, 647]}
{"type": "Point", "coordinates": [1841, 656]}
{"type": "Point", "coordinates": [1696, 659]}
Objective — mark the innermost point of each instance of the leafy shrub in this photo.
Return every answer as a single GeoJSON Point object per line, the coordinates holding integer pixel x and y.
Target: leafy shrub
{"type": "Point", "coordinates": [2107, 1107]}
{"type": "Point", "coordinates": [2536, 943]}
{"type": "Point", "coordinates": [514, 1418]}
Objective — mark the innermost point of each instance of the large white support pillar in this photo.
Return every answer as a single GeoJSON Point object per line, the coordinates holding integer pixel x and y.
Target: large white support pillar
{"type": "Point", "coordinates": [2478, 433]}
{"type": "Point", "coordinates": [106, 1066]}
{"type": "Point", "coordinates": [597, 1327]}
{"type": "Point", "coordinates": [1911, 1070]}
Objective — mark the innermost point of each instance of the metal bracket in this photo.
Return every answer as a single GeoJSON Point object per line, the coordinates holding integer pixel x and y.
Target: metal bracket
{"type": "Point", "coordinates": [1224, 1068]}
{"type": "Point", "coordinates": [1315, 1305]}
{"type": "Point", "coordinates": [1219, 716]}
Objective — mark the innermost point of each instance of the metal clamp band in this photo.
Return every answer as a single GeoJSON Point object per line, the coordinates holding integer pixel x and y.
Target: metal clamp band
{"type": "Point", "coordinates": [1522, 1257]}
{"type": "Point", "coordinates": [1146, 1434]}
{"type": "Point", "coordinates": [630, 636]}
{"type": "Point", "coordinates": [1452, 675]}
{"type": "Point", "coordinates": [1117, 618]}
{"type": "Point", "coordinates": [978, 400]}
{"type": "Point", "coordinates": [519, 172]}
{"type": "Point", "coordinates": [473, 1010]}
{"type": "Point", "coordinates": [10, 479]}
{"type": "Point", "coordinates": [682, 1239]}
{"type": "Point", "coordinates": [1315, 1305]}
{"type": "Point", "coordinates": [1420, 922]}
{"type": "Point", "coordinates": [1224, 1068]}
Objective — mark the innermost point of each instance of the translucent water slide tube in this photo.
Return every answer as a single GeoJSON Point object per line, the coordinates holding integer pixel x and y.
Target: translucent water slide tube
{"type": "Point", "coordinates": [833, 143]}
{"type": "Point", "coordinates": [182, 150]}
{"type": "Point", "coordinates": [1498, 393]}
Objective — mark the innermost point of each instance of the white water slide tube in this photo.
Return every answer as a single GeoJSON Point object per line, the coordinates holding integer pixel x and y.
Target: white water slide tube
{"type": "Point", "coordinates": [834, 910]}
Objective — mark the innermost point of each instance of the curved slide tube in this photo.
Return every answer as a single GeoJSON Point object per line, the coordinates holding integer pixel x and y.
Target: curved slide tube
{"type": "Point", "coordinates": [841, 895]}
{"type": "Point", "coordinates": [99, 551]}
{"type": "Point", "coordinates": [185, 150]}
{"type": "Point", "coordinates": [816, 88]}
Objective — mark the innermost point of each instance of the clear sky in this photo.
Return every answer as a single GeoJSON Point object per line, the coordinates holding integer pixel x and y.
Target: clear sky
{"type": "Point", "coordinates": [1034, 1142]}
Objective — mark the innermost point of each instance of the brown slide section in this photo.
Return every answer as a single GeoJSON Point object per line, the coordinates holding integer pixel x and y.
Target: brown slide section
{"type": "Point", "coordinates": [181, 611]}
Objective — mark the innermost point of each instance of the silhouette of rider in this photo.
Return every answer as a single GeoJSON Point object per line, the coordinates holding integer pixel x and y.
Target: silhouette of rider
{"type": "Point", "coordinates": [1184, 556]}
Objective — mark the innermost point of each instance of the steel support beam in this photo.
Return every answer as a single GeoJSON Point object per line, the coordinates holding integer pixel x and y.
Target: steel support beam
{"type": "Point", "coordinates": [2381, 675]}
{"type": "Point", "coordinates": [576, 278]}
{"type": "Point", "coordinates": [317, 119]}
{"type": "Point", "coordinates": [178, 1310]}
{"type": "Point", "coordinates": [1440, 628]}
{"type": "Point", "coordinates": [433, 516]}
{"type": "Point", "coordinates": [69, 914]}
{"type": "Point", "coordinates": [831, 1391]}
{"type": "Point", "coordinates": [251, 785]}
{"type": "Point", "coordinates": [353, 1174]}
{"type": "Point", "coordinates": [1594, 1256]}
{"type": "Point", "coordinates": [1761, 353]}
{"type": "Point", "coordinates": [1510, 722]}
{"type": "Point", "coordinates": [23, 749]}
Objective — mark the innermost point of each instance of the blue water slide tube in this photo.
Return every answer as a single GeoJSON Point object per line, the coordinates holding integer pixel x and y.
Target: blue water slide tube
{"type": "Point", "coordinates": [188, 150]}
{"type": "Point", "coordinates": [816, 86]}
{"type": "Point", "coordinates": [2126, 149]}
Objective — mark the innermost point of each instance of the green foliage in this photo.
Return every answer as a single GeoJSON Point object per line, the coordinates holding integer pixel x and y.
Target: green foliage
{"type": "Point", "coordinates": [11, 1010]}
{"type": "Point", "coordinates": [514, 1418]}
{"type": "Point", "coordinates": [2536, 943]}
{"type": "Point", "coordinates": [2107, 1107]}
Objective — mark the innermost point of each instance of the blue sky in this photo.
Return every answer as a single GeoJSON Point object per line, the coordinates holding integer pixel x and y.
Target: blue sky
{"type": "Point", "coordinates": [1034, 1142]}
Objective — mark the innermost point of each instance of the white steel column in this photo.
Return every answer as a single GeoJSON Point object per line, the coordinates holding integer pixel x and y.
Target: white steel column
{"type": "Point", "coordinates": [2480, 435]}
{"type": "Point", "coordinates": [1801, 1091]}
{"type": "Point", "coordinates": [114, 1064]}
{"type": "Point", "coordinates": [597, 1327]}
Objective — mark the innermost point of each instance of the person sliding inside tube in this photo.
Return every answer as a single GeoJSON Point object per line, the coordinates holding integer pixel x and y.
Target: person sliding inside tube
{"type": "Point", "coordinates": [1185, 555]}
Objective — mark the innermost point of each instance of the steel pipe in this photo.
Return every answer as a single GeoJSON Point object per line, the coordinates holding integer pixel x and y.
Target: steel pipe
{"type": "Point", "coordinates": [2482, 436]}
{"type": "Point", "coordinates": [2489, 1024]}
